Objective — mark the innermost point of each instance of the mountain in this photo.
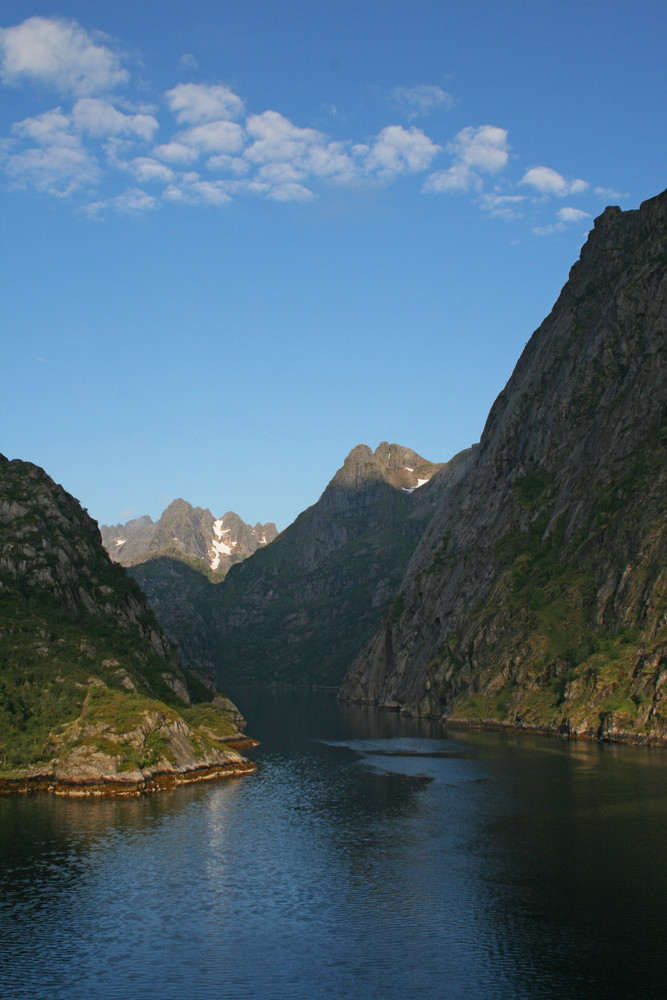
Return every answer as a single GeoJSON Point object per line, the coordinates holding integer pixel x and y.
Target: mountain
{"type": "Point", "coordinates": [537, 596]}
{"type": "Point", "coordinates": [298, 610]}
{"type": "Point", "coordinates": [93, 696]}
{"type": "Point", "coordinates": [191, 534]}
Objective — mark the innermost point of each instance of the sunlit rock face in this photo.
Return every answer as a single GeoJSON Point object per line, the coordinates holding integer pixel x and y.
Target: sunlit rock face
{"type": "Point", "coordinates": [189, 533]}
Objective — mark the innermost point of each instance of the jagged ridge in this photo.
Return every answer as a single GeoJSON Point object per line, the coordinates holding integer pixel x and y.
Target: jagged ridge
{"type": "Point", "coordinates": [191, 534]}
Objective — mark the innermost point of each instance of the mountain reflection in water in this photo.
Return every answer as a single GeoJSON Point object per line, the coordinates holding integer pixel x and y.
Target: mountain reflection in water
{"type": "Point", "coordinates": [369, 857]}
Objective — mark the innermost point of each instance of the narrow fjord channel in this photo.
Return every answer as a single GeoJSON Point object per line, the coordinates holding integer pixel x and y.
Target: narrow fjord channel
{"type": "Point", "coordinates": [369, 857]}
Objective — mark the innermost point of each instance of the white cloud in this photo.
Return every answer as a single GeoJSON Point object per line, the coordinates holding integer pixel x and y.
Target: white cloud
{"type": "Point", "coordinates": [220, 138]}
{"type": "Point", "coordinates": [191, 189]}
{"type": "Point", "coordinates": [58, 169]}
{"type": "Point", "coordinates": [210, 192]}
{"type": "Point", "coordinates": [549, 181]}
{"type": "Point", "coordinates": [279, 173]}
{"type": "Point", "coordinates": [572, 215]}
{"type": "Point", "coordinates": [58, 53]}
{"type": "Point", "coordinates": [176, 152]}
{"type": "Point", "coordinates": [135, 201]}
{"type": "Point", "coordinates": [422, 100]}
{"type": "Point", "coordinates": [94, 210]}
{"type": "Point", "coordinates": [58, 164]}
{"type": "Point", "coordinates": [276, 138]}
{"type": "Point", "coordinates": [456, 178]}
{"type": "Point", "coordinates": [276, 141]}
{"type": "Point", "coordinates": [146, 170]}
{"type": "Point", "coordinates": [483, 148]}
{"type": "Point", "coordinates": [52, 128]}
{"type": "Point", "coordinates": [214, 137]}
{"type": "Point", "coordinates": [396, 150]}
{"type": "Point", "coordinates": [194, 103]}
{"type": "Point", "coordinates": [290, 192]}
{"type": "Point", "coordinates": [565, 216]}
{"type": "Point", "coordinates": [98, 117]}
{"type": "Point", "coordinates": [228, 164]}
{"type": "Point", "coordinates": [476, 150]}
{"type": "Point", "coordinates": [330, 160]}
{"type": "Point", "coordinates": [282, 182]}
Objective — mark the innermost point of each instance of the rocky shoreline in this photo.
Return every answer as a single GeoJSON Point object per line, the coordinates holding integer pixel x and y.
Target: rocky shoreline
{"type": "Point", "coordinates": [87, 771]}
{"type": "Point", "coordinates": [606, 732]}
{"type": "Point", "coordinates": [563, 731]}
{"type": "Point", "coordinates": [130, 784]}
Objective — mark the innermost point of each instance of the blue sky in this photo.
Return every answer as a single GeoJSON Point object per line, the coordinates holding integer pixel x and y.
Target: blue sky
{"type": "Point", "coordinates": [240, 238]}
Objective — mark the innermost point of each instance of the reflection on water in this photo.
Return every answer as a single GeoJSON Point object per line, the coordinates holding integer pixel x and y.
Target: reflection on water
{"type": "Point", "coordinates": [369, 857]}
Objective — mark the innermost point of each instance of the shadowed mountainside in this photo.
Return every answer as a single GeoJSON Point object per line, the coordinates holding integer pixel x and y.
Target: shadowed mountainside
{"type": "Point", "coordinates": [299, 609]}
{"type": "Point", "coordinates": [538, 594]}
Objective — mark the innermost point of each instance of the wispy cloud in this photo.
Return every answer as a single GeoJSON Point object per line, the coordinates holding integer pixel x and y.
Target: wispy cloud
{"type": "Point", "coordinates": [417, 102]}
{"type": "Point", "coordinates": [188, 62]}
{"type": "Point", "coordinates": [603, 192]}
{"type": "Point", "coordinates": [135, 201]}
{"type": "Point", "coordinates": [504, 206]}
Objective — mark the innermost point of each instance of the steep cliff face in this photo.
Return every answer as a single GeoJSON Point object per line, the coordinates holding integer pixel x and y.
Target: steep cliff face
{"type": "Point", "coordinates": [92, 693]}
{"type": "Point", "coordinates": [190, 534]}
{"type": "Point", "coordinates": [538, 594]}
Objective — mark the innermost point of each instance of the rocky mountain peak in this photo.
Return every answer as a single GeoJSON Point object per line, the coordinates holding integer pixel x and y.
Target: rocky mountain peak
{"type": "Point", "coordinates": [391, 464]}
{"type": "Point", "coordinates": [189, 533]}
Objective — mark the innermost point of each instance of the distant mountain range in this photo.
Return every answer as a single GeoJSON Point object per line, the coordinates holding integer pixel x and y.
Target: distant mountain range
{"type": "Point", "coordinates": [191, 534]}
{"type": "Point", "coordinates": [299, 609]}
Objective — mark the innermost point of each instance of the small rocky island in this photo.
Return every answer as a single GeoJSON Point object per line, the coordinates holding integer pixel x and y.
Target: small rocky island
{"type": "Point", "coordinates": [94, 699]}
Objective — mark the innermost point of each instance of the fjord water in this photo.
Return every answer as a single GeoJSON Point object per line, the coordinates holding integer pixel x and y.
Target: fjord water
{"type": "Point", "coordinates": [369, 857]}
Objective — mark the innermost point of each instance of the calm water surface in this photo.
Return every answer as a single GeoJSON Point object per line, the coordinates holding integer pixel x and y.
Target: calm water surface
{"type": "Point", "coordinates": [369, 857]}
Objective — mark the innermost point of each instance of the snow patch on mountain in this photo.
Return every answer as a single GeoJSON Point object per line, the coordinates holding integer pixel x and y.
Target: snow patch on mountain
{"type": "Point", "coordinates": [219, 547]}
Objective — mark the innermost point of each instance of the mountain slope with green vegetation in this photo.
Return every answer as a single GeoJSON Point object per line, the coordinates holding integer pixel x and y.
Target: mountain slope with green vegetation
{"type": "Point", "coordinates": [92, 694]}
{"type": "Point", "coordinates": [538, 595]}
